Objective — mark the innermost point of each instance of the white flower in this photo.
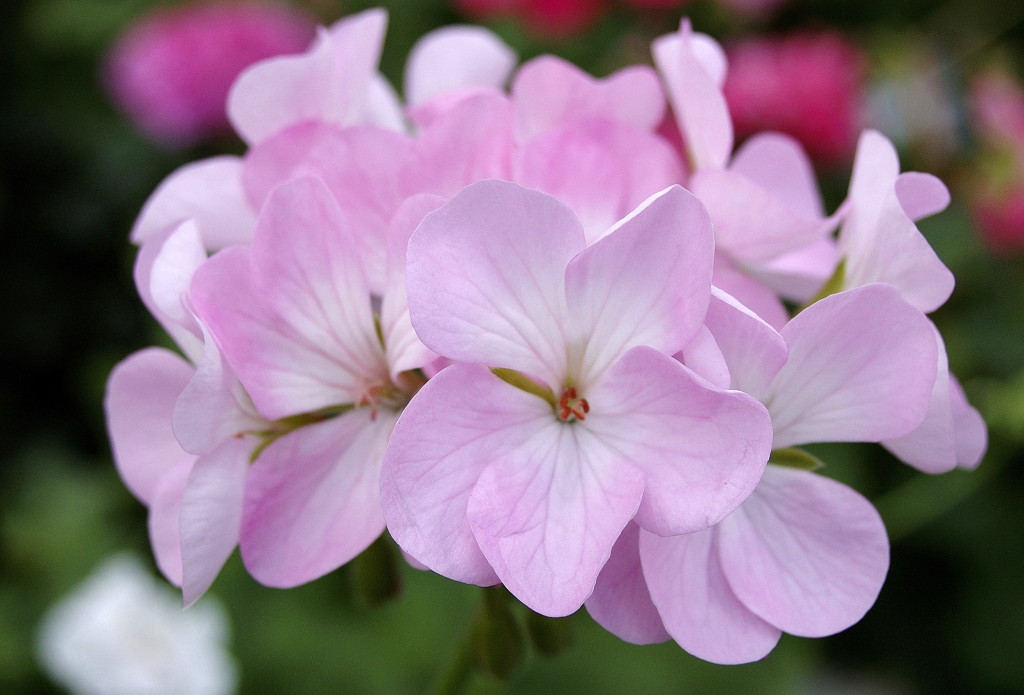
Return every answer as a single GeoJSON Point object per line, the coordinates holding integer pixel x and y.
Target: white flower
{"type": "Point", "coordinates": [123, 633]}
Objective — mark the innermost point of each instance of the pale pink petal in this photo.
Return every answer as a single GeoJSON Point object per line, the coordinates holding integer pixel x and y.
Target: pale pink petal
{"type": "Point", "coordinates": [799, 275]}
{"type": "Point", "coordinates": [621, 603]}
{"type": "Point", "coordinates": [703, 355]}
{"type": "Point", "coordinates": [329, 83]}
{"type": "Point", "coordinates": [382, 106]}
{"type": "Point", "coordinates": [454, 59]}
{"type": "Point", "coordinates": [471, 141]}
{"type": "Point", "coordinates": [752, 349]}
{"type": "Point", "coordinates": [778, 164]}
{"type": "Point", "coordinates": [547, 513]}
{"type": "Point", "coordinates": [187, 335]}
{"type": "Point", "coordinates": [404, 349]}
{"type": "Point", "coordinates": [461, 420]}
{"type": "Point", "coordinates": [805, 553]}
{"type": "Point", "coordinates": [971, 432]}
{"type": "Point", "coordinates": [551, 93]}
{"type": "Point", "coordinates": [696, 97]}
{"type": "Point", "coordinates": [140, 397]}
{"type": "Point", "coordinates": [214, 406]}
{"type": "Point", "coordinates": [861, 367]}
{"type": "Point", "coordinates": [171, 273]}
{"type": "Point", "coordinates": [208, 191]}
{"type": "Point", "coordinates": [879, 241]}
{"type": "Point", "coordinates": [647, 282]}
{"type": "Point", "coordinates": [921, 195]}
{"type": "Point", "coordinates": [299, 331]}
{"type": "Point", "coordinates": [600, 169]}
{"type": "Point", "coordinates": [312, 498]}
{"type": "Point", "coordinates": [163, 522]}
{"type": "Point", "coordinates": [211, 514]}
{"type": "Point", "coordinates": [751, 224]}
{"type": "Point", "coordinates": [701, 450]}
{"type": "Point", "coordinates": [750, 292]}
{"type": "Point", "coordinates": [698, 608]}
{"type": "Point", "coordinates": [931, 446]}
{"type": "Point", "coordinates": [485, 278]}
{"type": "Point", "coordinates": [361, 166]}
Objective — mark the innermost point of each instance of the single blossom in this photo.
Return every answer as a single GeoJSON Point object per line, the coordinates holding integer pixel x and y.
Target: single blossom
{"type": "Point", "coordinates": [171, 70]}
{"type": "Point", "coordinates": [564, 416]}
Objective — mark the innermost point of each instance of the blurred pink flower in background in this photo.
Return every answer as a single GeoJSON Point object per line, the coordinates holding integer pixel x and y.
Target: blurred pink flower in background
{"type": "Point", "coordinates": [171, 70]}
{"type": "Point", "coordinates": [997, 110]}
{"type": "Point", "coordinates": [545, 17]}
{"type": "Point", "coordinates": [807, 85]}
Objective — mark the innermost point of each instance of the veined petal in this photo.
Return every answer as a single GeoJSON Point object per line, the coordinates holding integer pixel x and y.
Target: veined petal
{"type": "Point", "coordinates": [551, 93]}
{"type": "Point", "coordinates": [284, 372]}
{"type": "Point", "coordinates": [208, 191]}
{"type": "Point", "coordinates": [753, 350]}
{"type": "Point", "coordinates": [701, 450]}
{"type": "Point", "coordinates": [547, 513]}
{"type": "Point", "coordinates": [601, 169]}
{"type": "Point", "coordinates": [861, 367]}
{"type": "Point", "coordinates": [211, 514]}
{"type": "Point", "coordinates": [805, 553]}
{"type": "Point", "coordinates": [328, 83]}
{"type": "Point", "coordinates": [456, 58]}
{"type": "Point", "coordinates": [750, 292]}
{"type": "Point", "coordinates": [460, 421]}
{"type": "Point", "coordinates": [312, 498]}
{"type": "Point", "coordinates": [140, 398]}
{"type": "Point", "coordinates": [647, 282]}
{"type": "Point", "coordinates": [698, 608]}
{"type": "Point", "coordinates": [621, 603]}
{"type": "Point", "coordinates": [778, 164]}
{"type": "Point", "coordinates": [485, 278]}
{"type": "Point", "coordinates": [696, 97]}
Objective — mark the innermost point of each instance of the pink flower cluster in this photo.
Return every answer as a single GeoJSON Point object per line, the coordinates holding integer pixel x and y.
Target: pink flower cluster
{"type": "Point", "coordinates": [541, 344]}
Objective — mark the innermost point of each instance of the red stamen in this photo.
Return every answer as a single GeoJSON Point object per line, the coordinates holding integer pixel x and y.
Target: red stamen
{"type": "Point", "coordinates": [571, 407]}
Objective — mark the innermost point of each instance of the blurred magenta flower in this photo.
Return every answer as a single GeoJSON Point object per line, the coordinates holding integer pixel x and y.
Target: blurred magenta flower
{"type": "Point", "coordinates": [171, 70]}
{"type": "Point", "coordinates": [997, 108]}
{"type": "Point", "coordinates": [545, 17]}
{"type": "Point", "coordinates": [808, 85]}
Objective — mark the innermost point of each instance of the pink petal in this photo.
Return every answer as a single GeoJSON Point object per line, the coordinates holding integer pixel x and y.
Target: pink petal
{"type": "Point", "coordinates": [646, 283]}
{"type": "Point", "coordinates": [139, 402]}
{"type": "Point", "coordinates": [777, 163]}
{"type": "Point", "coordinates": [211, 514]}
{"type": "Point", "coordinates": [971, 433]}
{"type": "Point", "coordinates": [547, 513]}
{"type": "Point", "coordinates": [601, 169]}
{"type": "Point", "coordinates": [621, 602]}
{"type": "Point", "coordinates": [454, 59]}
{"type": "Point", "coordinates": [208, 191]}
{"type": "Point", "coordinates": [701, 450]}
{"type": "Point", "coordinates": [805, 553]}
{"type": "Point", "coordinates": [328, 83]}
{"type": "Point", "coordinates": [485, 278]}
{"type": "Point", "coordinates": [171, 273]}
{"type": "Point", "coordinates": [550, 93]}
{"type": "Point", "coordinates": [879, 240]}
{"type": "Point", "coordinates": [182, 327]}
{"type": "Point", "coordinates": [750, 292]}
{"type": "Point", "coordinates": [698, 608]}
{"type": "Point", "coordinates": [460, 421]}
{"type": "Point", "coordinates": [705, 358]}
{"type": "Point", "coordinates": [164, 522]}
{"type": "Point", "coordinates": [921, 195]}
{"type": "Point", "coordinates": [312, 500]}
{"type": "Point", "coordinates": [696, 97]}
{"type": "Point", "coordinates": [299, 332]}
{"type": "Point", "coordinates": [470, 142]}
{"type": "Point", "coordinates": [799, 275]}
{"type": "Point", "coordinates": [861, 368]}
{"type": "Point", "coordinates": [752, 349]}
{"type": "Point", "coordinates": [403, 346]}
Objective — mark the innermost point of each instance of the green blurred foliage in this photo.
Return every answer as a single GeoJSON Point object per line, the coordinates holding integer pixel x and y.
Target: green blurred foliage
{"type": "Point", "coordinates": [73, 174]}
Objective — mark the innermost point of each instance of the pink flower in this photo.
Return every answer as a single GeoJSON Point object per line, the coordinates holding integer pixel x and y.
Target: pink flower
{"type": "Point", "coordinates": [546, 17]}
{"type": "Point", "coordinates": [803, 554]}
{"type": "Point", "coordinates": [172, 69]}
{"type": "Point", "coordinates": [806, 85]}
{"type": "Point", "coordinates": [526, 473]}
